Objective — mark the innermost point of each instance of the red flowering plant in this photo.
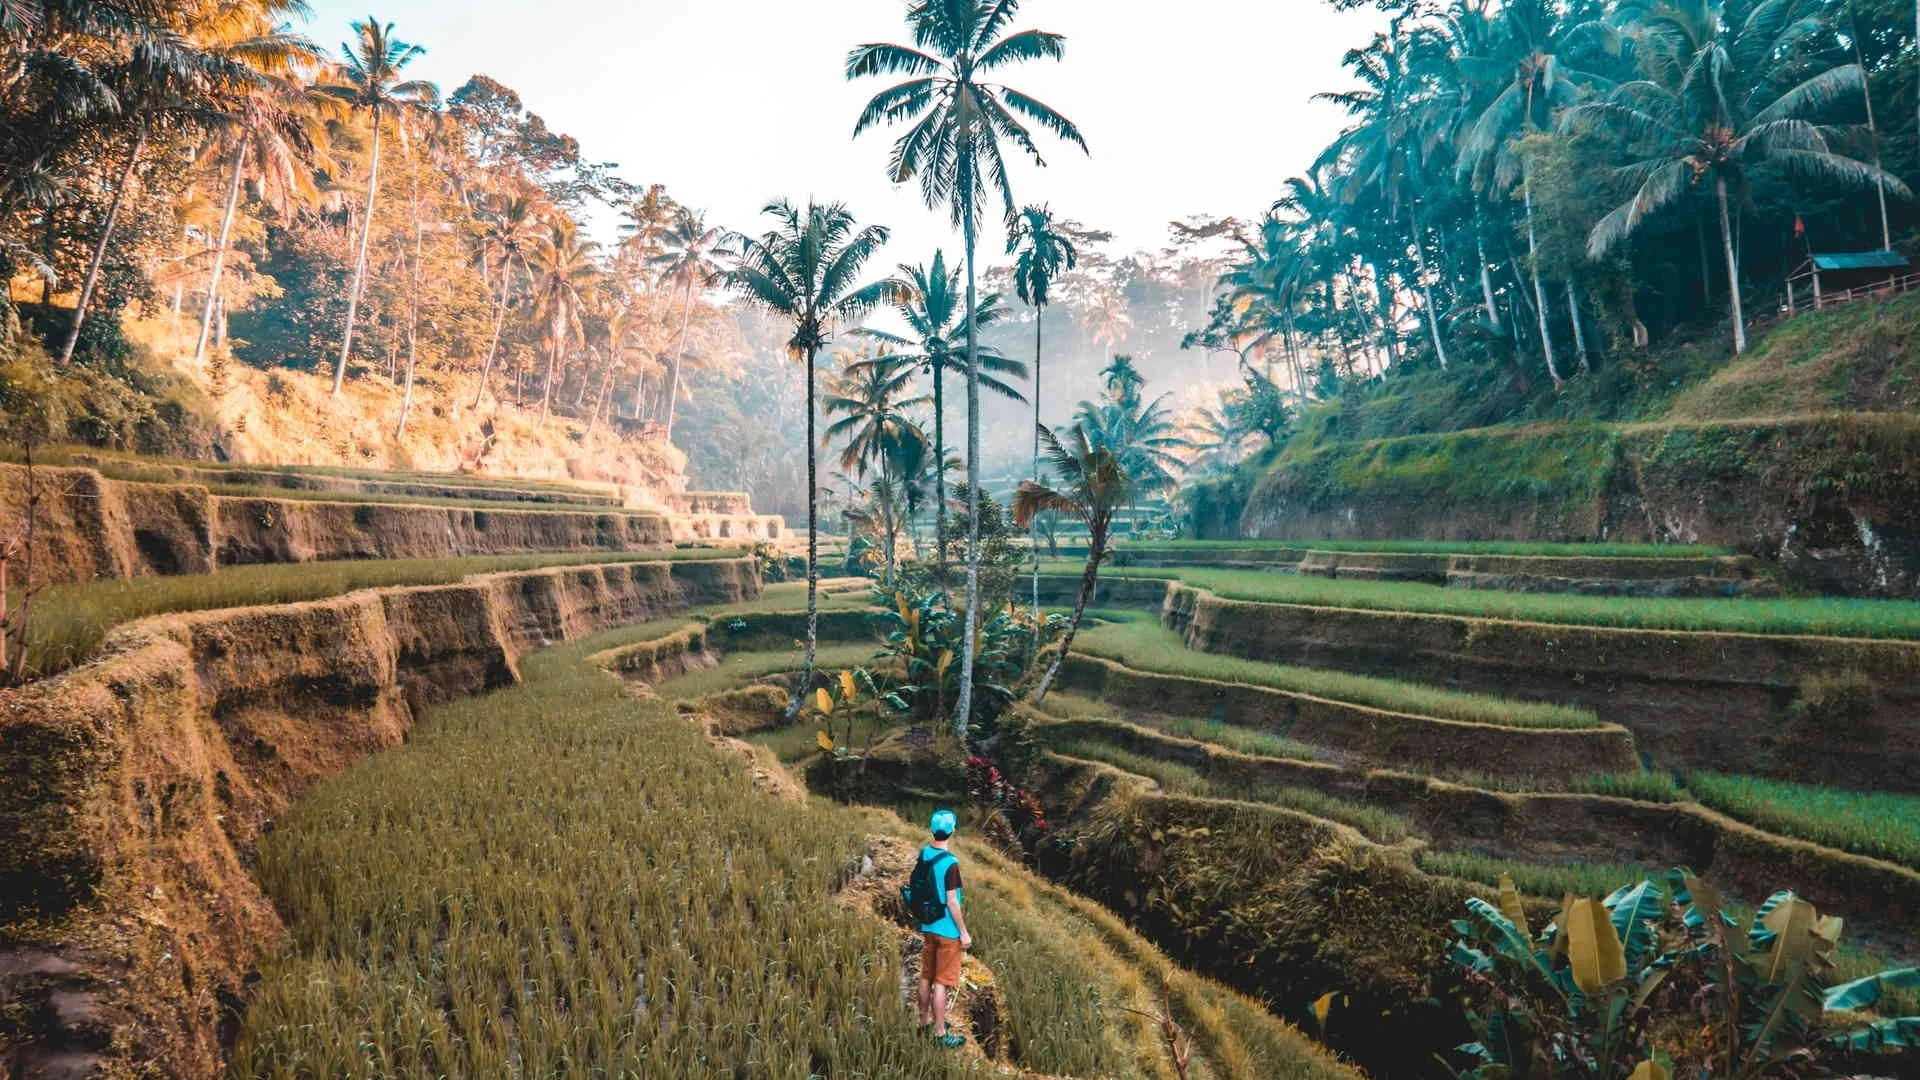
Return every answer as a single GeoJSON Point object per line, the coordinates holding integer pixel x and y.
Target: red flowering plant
{"type": "Point", "coordinates": [1012, 815]}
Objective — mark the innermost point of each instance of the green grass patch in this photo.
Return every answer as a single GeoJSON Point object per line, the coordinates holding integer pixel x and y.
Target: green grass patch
{"type": "Point", "coordinates": [1243, 740]}
{"type": "Point", "coordinates": [1445, 547]}
{"type": "Point", "coordinates": [1181, 779]}
{"type": "Point", "coordinates": [1144, 645]}
{"type": "Point", "coordinates": [739, 668]}
{"type": "Point", "coordinates": [1834, 616]}
{"type": "Point", "coordinates": [1881, 824]}
{"type": "Point", "coordinates": [71, 621]}
{"type": "Point", "coordinates": [1534, 879]}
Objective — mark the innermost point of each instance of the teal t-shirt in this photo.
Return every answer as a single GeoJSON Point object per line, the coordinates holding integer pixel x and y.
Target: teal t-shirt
{"type": "Point", "coordinates": [946, 874]}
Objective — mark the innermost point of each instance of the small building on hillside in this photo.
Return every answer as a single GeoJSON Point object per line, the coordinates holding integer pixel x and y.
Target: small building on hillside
{"type": "Point", "coordinates": [1842, 277]}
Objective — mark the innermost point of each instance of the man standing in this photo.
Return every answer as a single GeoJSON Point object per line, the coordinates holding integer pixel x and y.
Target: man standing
{"type": "Point", "coordinates": [935, 888]}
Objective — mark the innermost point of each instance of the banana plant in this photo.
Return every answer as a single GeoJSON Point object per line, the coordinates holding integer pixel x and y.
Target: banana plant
{"type": "Point", "coordinates": [923, 637]}
{"type": "Point", "coordinates": [842, 695]}
{"type": "Point", "coordinates": [1583, 997]}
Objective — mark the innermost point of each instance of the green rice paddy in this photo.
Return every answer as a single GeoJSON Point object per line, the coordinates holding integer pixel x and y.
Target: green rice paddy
{"type": "Point", "coordinates": [1829, 616]}
{"type": "Point", "coordinates": [1142, 644]}
{"type": "Point", "coordinates": [1881, 824]}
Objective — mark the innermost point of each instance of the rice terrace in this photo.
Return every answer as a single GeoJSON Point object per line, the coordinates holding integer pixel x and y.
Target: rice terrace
{"type": "Point", "coordinates": [1321, 540]}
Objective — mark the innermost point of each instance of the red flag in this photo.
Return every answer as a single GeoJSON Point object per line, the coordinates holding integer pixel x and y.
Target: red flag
{"type": "Point", "coordinates": [1799, 227]}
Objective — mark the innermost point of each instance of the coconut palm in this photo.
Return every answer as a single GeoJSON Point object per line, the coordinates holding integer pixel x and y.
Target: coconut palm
{"type": "Point", "coordinates": [1093, 486]}
{"type": "Point", "coordinates": [1042, 252]}
{"type": "Point", "coordinates": [927, 298]}
{"type": "Point", "coordinates": [1107, 320]}
{"type": "Point", "coordinates": [564, 272]}
{"type": "Point", "coordinates": [160, 80]}
{"type": "Point", "coordinates": [268, 128]}
{"type": "Point", "coordinates": [689, 261]}
{"type": "Point", "coordinates": [1530, 74]}
{"type": "Point", "coordinates": [873, 397]}
{"type": "Point", "coordinates": [372, 81]}
{"type": "Point", "coordinates": [1723, 96]}
{"type": "Point", "coordinates": [805, 269]}
{"type": "Point", "coordinates": [508, 229]}
{"type": "Point", "coordinates": [957, 123]}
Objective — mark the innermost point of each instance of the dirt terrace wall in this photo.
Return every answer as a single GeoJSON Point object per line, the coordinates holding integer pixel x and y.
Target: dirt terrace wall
{"type": "Point", "coordinates": [746, 526]}
{"type": "Point", "coordinates": [1552, 828]}
{"type": "Point", "coordinates": [1359, 733]}
{"type": "Point", "coordinates": [290, 531]}
{"type": "Point", "coordinates": [89, 527]}
{"type": "Point", "coordinates": [709, 502]}
{"type": "Point", "coordinates": [136, 787]}
{"type": "Point", "coordinates": [1834, 500]}
{"type": "Point", "coordinates": [1696, 700]}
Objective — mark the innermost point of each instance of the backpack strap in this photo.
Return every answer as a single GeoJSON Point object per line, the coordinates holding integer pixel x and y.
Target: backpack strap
{"type": "Point", "coordinates": [939, 872]}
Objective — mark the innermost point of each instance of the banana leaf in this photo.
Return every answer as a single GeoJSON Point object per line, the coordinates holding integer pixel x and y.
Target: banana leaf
{"type": "Point", "coordinates": [1635, 910]}
{"type": "Point", "coordinates": [1511, 907]}
{"type": "Point", "coordinates": [1593, 946]}
{"type": "Point", "coordinates": [1506, 937]}
{"type": "Point", "coordinates": [1899, 1033]}
{"type": "Point", "coordinates": [1865, 993]}
{"type": "Point", "coordinates": [1791, 922]}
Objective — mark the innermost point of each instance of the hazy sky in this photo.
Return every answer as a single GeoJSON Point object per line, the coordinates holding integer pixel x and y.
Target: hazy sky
{"type": "Point", "coordinates": [1199, 106]}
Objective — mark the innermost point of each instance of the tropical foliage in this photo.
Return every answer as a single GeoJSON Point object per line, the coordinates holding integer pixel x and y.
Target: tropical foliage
{"type": "Point", "coordinates": [1660, 979]}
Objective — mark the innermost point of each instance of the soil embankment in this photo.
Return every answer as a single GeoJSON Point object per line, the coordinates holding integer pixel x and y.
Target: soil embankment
{"type": "Point", "coordinates": [1834, 500]}
{"type": "Point", "coordinates": [138, 785]}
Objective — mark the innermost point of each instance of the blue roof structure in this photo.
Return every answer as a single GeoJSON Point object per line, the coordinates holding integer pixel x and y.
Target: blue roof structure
{"type": "Point", "coordinates": [1860, 260]}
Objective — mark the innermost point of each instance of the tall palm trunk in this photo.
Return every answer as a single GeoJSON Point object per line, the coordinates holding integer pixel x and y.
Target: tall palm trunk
{"type": "Point", "coordinates": [963, 703]}
{"type": "Point", "coordinates": [413, 312]}
{"type": "Point", "coordinates": [1539, 289]}
{"type": "Point", "coordinates": [1486, 283]}
{"type": "Point", "coordinates": [499, 323]}
{"type": "Point", "coordinates": [360, 260]}
{"type": "Point", "coordinates": [220, 250]}
{"type": "Point", "coordinates": [679, 351]}
{"type": "Point", "coordinates": [553, 361]}
{"type": "Point", "coordinates": [1579, 328]}
{"type": "Point", "coordinates": [1033, 527]}
{"type": "Point", "coordinates": [1873, 129]}
{"type": "Point", "coordinates": [940, 469]}
{"type": "Point", "coordinates": [1089, 577]}
{"type": "Point", "coordinates": [606, 390]}
{"type": "Point", "coordinates": [813, 550]}
{"type": "Point", "coordinates": [1426, 290]}
{"type": "Point", "coordinates": [1384, 293]}
{"type": "Point", "coordinates": [100, 249]}
{"type": "Point", "coordinates": [1733, 270]}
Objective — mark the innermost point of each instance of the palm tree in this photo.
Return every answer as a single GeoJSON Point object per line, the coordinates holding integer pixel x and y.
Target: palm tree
{"type": "Point", "coordinates": [372, 72]}
{"type": "Point", "coordinates": [1142, 434]}
{"type": "Point", "coordinates": [1042, 252]}
{"type": "Point", "coordinates": [508, 230]}
{"type": "Point", "coordinates": [688, 262]}
{"type": "Point", "coordinates": [953, 146]}
{"type": "Point", "coordinates": [564, 273]}
{"type": "Point", "coordinates": [804, 269]}
{"type": "Point", "coordinates": [272, 125]}
{"type": "Point", "coordinates": [163, 77]}
{"type": "Point", "coordinates": [1107, 320]}
{"type": "Point", "coordinates": [873, 396]}
{"type": "Point", "coordinates": [927, 299]}
{"type": "Point", "coordinates": [1724, 96]}
{"type": "Point", "coordinates": [1093, 487]}
{"type": "Point", "coordinates": [1529, 70]}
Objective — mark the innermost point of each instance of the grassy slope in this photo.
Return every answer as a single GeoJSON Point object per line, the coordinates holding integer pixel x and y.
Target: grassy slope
{"type": "Point", "coordinates": [1141, 643]}
{"type": "Point", "coordinates": [70, 621]}
{"type": "Point", "coordinates": [1445, 547]}
{"type": "Point", "coordinates": [1797, 615]}
{"type": "Point", "coordinates": [1881, 824]}
{"type": "Point", "coordinates": [588, 856]}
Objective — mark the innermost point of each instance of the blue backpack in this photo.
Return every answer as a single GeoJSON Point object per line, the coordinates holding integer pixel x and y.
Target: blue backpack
{"type": "Point", "coordinates": [926, 902]}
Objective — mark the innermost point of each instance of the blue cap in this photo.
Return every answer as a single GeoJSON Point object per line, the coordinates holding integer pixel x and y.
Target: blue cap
{"type": "Point", "coordinates": [943, 822]}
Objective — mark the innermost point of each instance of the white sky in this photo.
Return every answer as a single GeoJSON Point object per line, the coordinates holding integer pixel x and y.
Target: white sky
{"type": "Point", "coordinates": [1195, 107]}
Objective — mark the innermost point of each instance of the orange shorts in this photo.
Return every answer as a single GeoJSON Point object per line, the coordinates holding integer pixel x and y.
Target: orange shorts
{"type": "Point", "coordinates": [940, 960]}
